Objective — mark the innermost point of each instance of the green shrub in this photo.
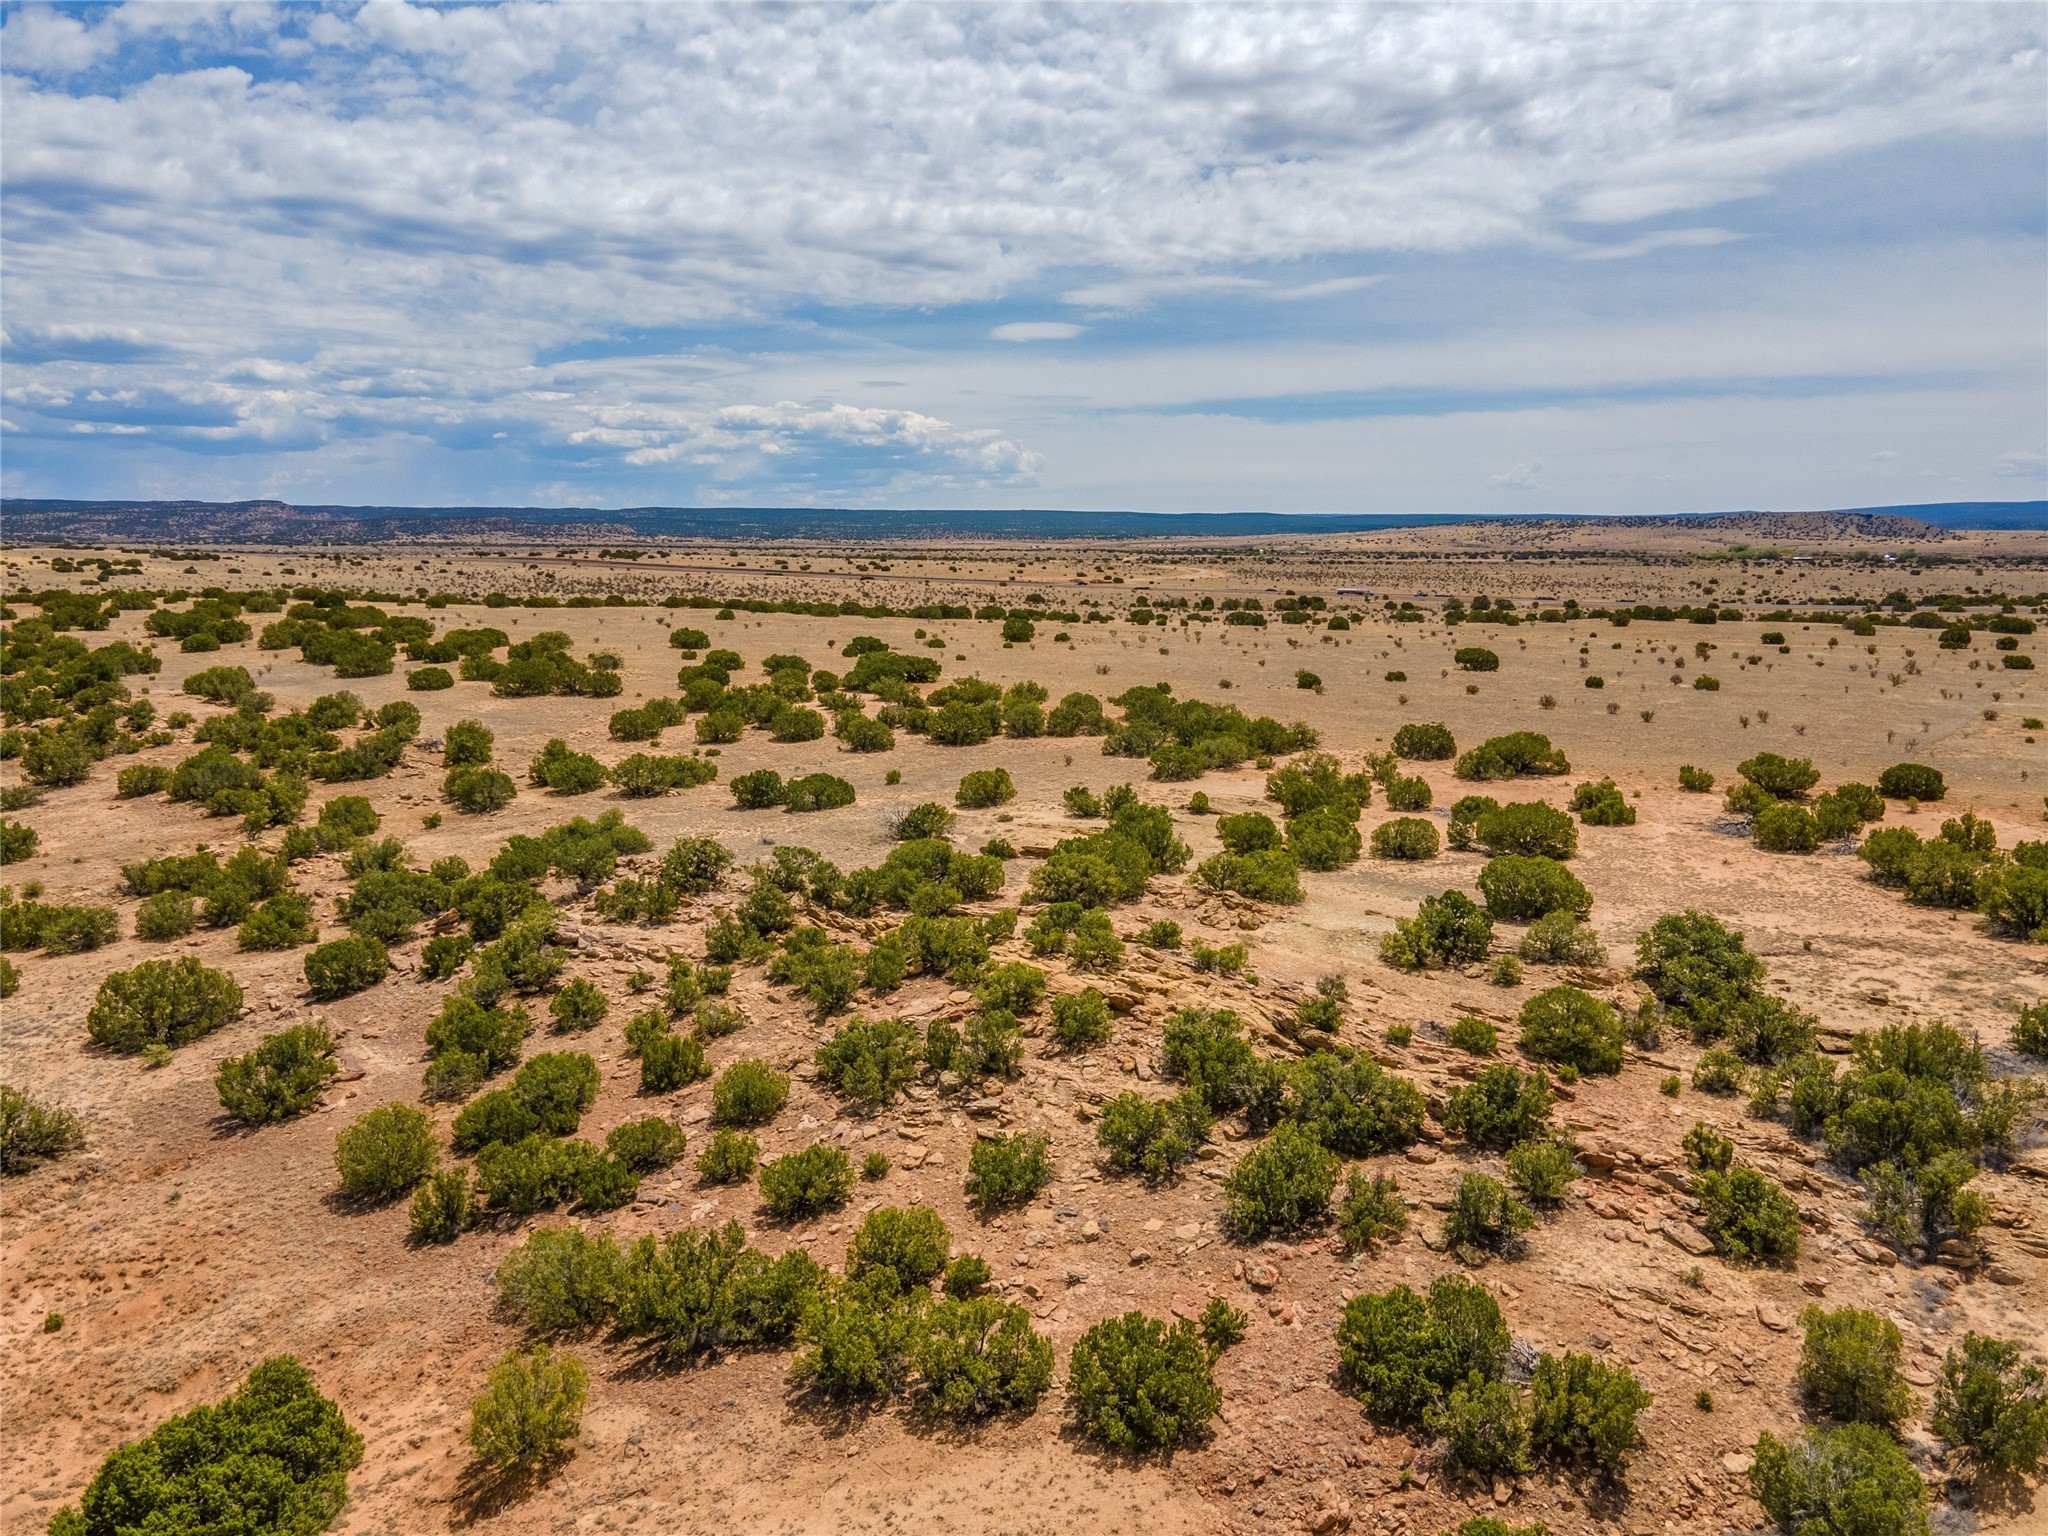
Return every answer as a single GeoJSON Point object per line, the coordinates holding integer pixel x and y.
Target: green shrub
{"type": "Point", "coordinates": [968, 1275]}
{"type": "Point", "coordinates": [1475, 658]}
{"type": "Point", "coordinates": [1542, 1169]}
{"type": "Point", "coordinates": [533, 1173]}
{"type": "Point", "coordinates": [1581, 1409]}
{"type": "Point", "coordinates": [985, 787]}
{"type": "Point", "coordinates": [2030, 1031]}
{"type": "Point", "coordinates": [1252, 832]}
{"type": "Point", "coordinates": [1282, 1184]}
{"type": "Point", "coordinates": [1500, 1108]}
{"type": "Point", "coordinates": [58, 930]}
{"type": "Point", "coordinates": [1603, 805]}
{"type": "Point", "coordinates": [1992, 1407]}
{"type": "Point", "coordinates": [757, 791]}
{"type": "Point", "coordinates": [1402, 1353]}
{"type": "Point", "coordinates": [273, 1456]}
{"type": "Point", "coordinates": [1524, 888]}
{"type": "Point", "coordinates": [1695, 780]}
{"type": "Point", "coordinates": [807, 1183]}
{"type": "Point", "coordinates": [1566, 1025]}
{"type": "Point", "coordinates": [1408, 837]}
{"type": "Point", "coordinates": [283, 922]}
{"type": "Point", "coordinates": [1750, 1219]}
{"type": "Point", "coordinates": [729, 1159]}
{"type": "Point", "coordinates": [478, 790]}
{"type": "Point", "coordinates": [1424, 743]}
{"type": "Point", "coordinates": [1146, 1136]}
{"type": "Point", "coordinates": [748, 1093]}
{"type": "Point", "coordinates": [1717, 1071]}
{"type": "Point", "coordinates": [1511, 756]}
{"type": "Point", "coordinates": [1696, 966]}
{"type": "Point", "coordinates": [1528, 828]}
{"type": "Point", "coordinates": [1006, 1171]}
{"type": "Point", "coordinates": [870, 1063]}
{"type": "Point", "coordinates": [1138, 1384]}
{"type": "Point", "coordinates": [978, 1356]}
{"type": "Point", "coordinates": [284, 1076]}
{"type": "Point", "coordinates": [579, 1005]}
{"type": "Point", "coordinates": [1014, 987]}
{"type": "Point", "coordinates": [345, 966]}
{"type": "Point", "coordinates": [1782, 778]}
{"type": "Point", "coordinates": [1852, 1481]}
{"type": "Point", "coordinates": [32, 1132]}
{"type": "Point", "coordinates": [1911, 781]}
{"type": "Point", "coordinates": [141, 779]}
{"type": "Point", "coordinates": [1080, 1020]}
{"type": "Point", "coordinates": [1785, 828]}
{"type": "Point", "coordinates": [1446, 930]}
{"type": "Point", "coordinates": [1561, 938]}
{"type": "Point", "coordinates": [441, 1207]}
{"type": "Point", "coordinates": [561, 1280]}
{"type": "Point", "coordinates": [1371, 1211]}
{"type": "Point", "coordinates": [1474, 1035]}
{"type": "Point", "coordinates": [1849, 1367]}
{"type": "Point", "coordinates": [647, 1143]}
{"type": "Point", "coordinates": [1165, 934]}
{"type": "Point", "coordinates": [495, 1118]}
{"type": "Point", "coordinates": [1486, 1429]}
{"type": "Point", "coordinates": [1222, 1326]}
{"type": "Point", "coordinates": [703, 1290]}
{"type": "Point", "coordinates": [166, 915]}
{"type": "Point", "coordinates": [531, 1410]}
{"type": "Point", "coordinates": [495, 1035]}
{"type": "Point", "coordinates": [161, 1002]}
{"type": "Point", "coordinates": [817, 792]}
{"type": "Point", "coordinates": [556, 1087]}
{"type": "Point", "coordinates": [922, 821]}
{"type": "Point", "coordinates": [445, 954]}
{"type": "Point", "coordinates": [1484, 1219]}
{"type": "Point", "coordinates": [385, 1153]}
{"type": "Point", "coordinates": [912, 1244]}
{"type": "Point", "coordinates": [1354, 1107]}
{"type": "Point", "coordinates": [1270, 875]}
{"type": "Point", "coordinates": [1206, 1050]}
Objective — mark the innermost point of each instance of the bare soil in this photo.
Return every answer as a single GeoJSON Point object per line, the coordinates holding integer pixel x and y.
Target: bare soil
{"type": "Point", "coordinates": [180, 1252]}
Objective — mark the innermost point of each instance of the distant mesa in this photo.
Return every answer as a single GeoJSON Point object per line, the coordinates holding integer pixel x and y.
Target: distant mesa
{"type": "Point", "coordinates": [29, 519]}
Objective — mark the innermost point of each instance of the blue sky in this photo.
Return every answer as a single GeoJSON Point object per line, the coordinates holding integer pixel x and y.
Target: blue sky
{"type": "Point", "coordinates": [1394, 258]}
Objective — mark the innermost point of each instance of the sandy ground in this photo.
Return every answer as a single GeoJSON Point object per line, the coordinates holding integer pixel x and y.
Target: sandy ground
{"type": "Point", "coordinates": [180, 1253]}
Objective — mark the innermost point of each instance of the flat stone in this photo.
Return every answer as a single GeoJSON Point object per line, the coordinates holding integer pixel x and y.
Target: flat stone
{"type": "Point", "coordinates": [1771, 1317]}
{"type": "Point", "coordinates": [1737, 1463]}
{"type": "Point", "coordinates": [1691, 1239]}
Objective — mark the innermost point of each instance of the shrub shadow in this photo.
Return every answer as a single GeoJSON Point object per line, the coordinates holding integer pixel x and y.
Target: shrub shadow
{"type": "Point", "coordinates": [482, 1492]}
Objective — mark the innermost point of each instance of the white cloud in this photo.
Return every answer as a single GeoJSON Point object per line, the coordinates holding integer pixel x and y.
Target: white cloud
{"type": "Point", "coordinates": [1035, 330]}
{"type": "Point", "coordinates": [1523, 477]}
{"type": "Point", "coordinates": [2022, 464]}
{"type": "Point", "coordinates": [326, 232]}
{"type": "Point", "coordinates": [1657, 240]}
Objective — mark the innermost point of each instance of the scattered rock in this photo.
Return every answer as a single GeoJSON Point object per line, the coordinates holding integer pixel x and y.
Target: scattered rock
{"type": "Point", "coordinates": [1691, 1239]}
{"type": "Point", "coordinates": [1771, 1317]}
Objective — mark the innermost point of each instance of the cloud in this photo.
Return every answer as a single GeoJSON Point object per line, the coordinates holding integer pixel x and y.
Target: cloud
{"type": "Point", "coordinates": [1035, 330]}
{"type": "Point", "coordinates": [345, 233]}
{"type": "Point", "coordinates": [1523, 477]}
{"type": "Point", "coordinates": [1657, 240]}
{"type": "Point", "coordinates": [2021, 464]}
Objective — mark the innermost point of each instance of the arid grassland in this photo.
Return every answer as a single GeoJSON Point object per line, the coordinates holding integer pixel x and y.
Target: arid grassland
{"type": "Point", "coordinates": [1389, 1033]}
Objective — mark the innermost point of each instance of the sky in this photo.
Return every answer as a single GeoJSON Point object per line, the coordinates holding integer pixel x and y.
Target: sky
{"type": "Point", "coordinates": [1467, 257]}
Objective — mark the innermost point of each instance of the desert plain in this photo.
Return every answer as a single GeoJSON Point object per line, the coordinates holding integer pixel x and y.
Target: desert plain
{"type": "Point", "coordinates": [180, 1249]}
